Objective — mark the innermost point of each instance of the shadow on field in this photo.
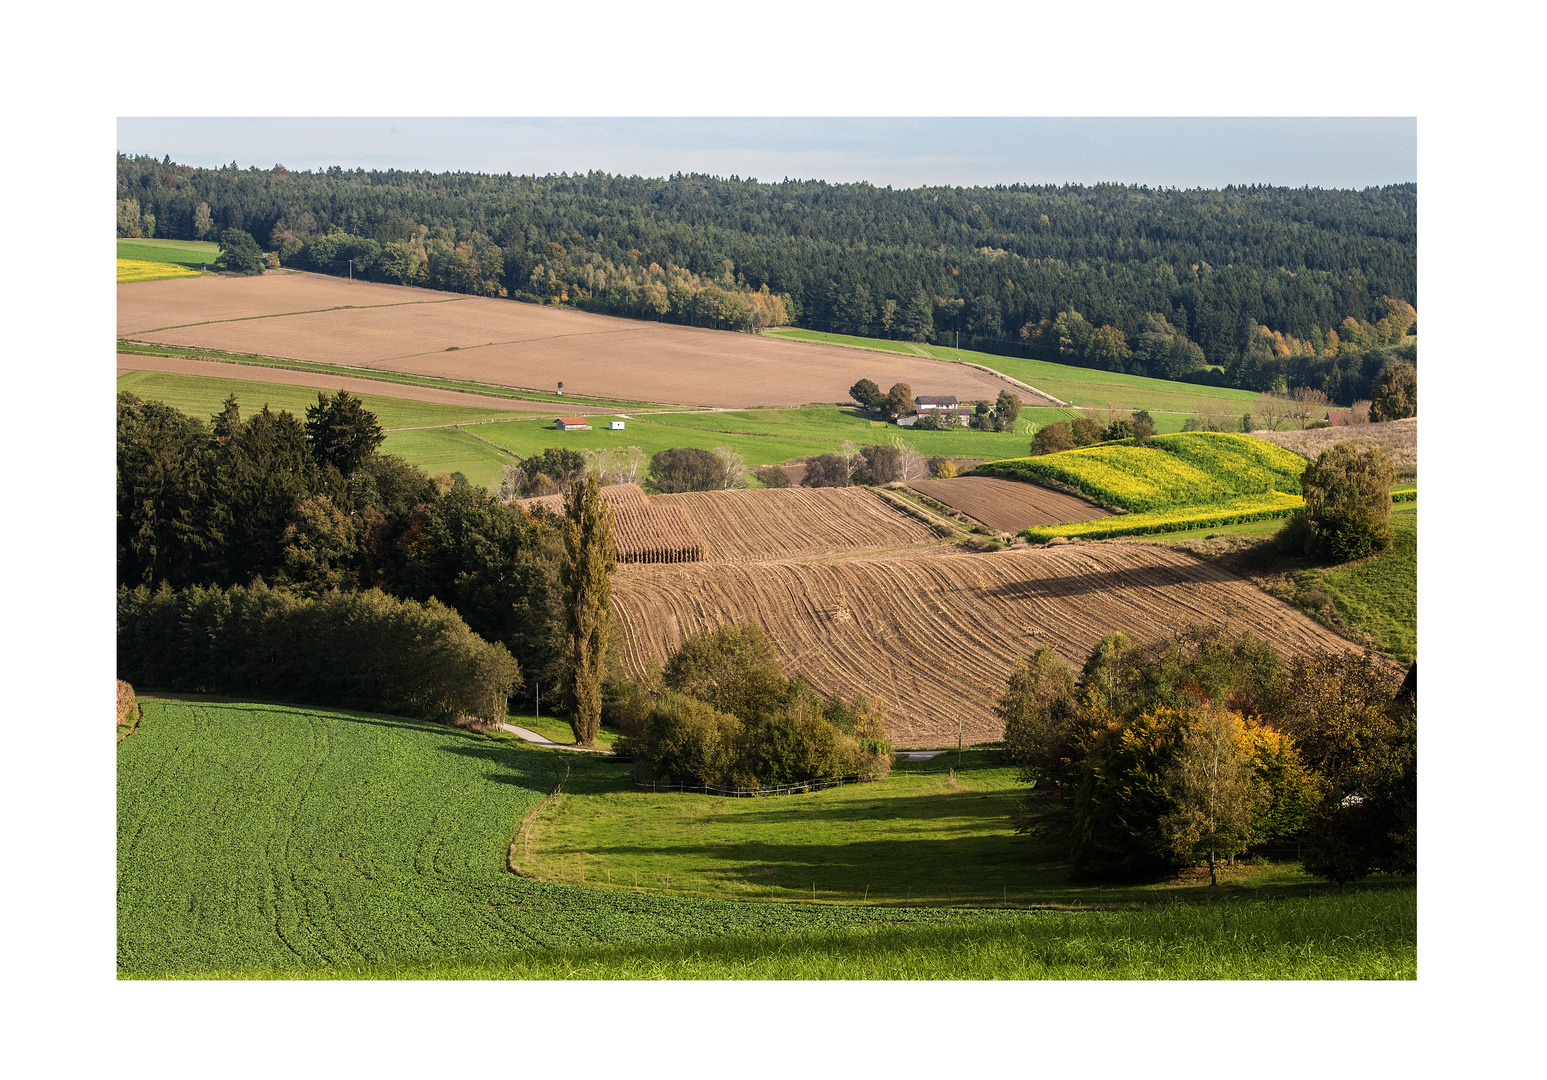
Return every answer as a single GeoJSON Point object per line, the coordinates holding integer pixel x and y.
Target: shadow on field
{"type": "Point", "coordinates": [1057, 588]}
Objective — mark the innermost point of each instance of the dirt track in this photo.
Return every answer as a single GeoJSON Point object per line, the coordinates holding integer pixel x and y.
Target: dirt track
{"type": "Point", "coordinates": [935, 636]}
{"type": "Point", "coordinates": [1008, 505]}
{"type": "Point", "coordinates": [215, 369]}
{"type": "Point", "coordinates": [332, 320]}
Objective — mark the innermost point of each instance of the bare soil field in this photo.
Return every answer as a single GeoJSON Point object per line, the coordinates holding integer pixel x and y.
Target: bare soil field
{"type": "Point", "coordinates": [215, 369]}
{"type": "Point", "coordinates": [1398, 436]}
{"type": "Point", "coordinates": [656, 532]}
{"type": "Point", "coordinates": [1008, 505]}
{"type": "Point", "coordinates": [615, 494]}
{"type": "Point", "coordinates": [330, 320]}
{"type": "Point", "coordinates": [935, 637]}
{"type": "Point", "coordinates": [784, 523]}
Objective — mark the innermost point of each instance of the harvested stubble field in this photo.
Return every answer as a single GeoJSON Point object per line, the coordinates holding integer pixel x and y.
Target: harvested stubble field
{"type": "Point", "coordinates": [396, 328]}
{"type": "Point", "coordinates": [615, 494]}
{"type": "Point", "coordinates": [759, 524]}
{"type": "Point", "coordinates": [935, 636]}
{"type": "Point", "coordinates": [1398, 436]}
{"type": "Point", "coordinates": [1008, 505]}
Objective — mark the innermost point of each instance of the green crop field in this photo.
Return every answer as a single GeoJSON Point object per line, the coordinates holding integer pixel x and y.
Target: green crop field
{"type": "Point", "coordinates": [273, 841]}
{"type": "Point", "coordinates": [268, 836]}
{"type": "Point", "coordinates": [1172, 471]}
{"type": "Point", "coordinates": [1084, 387]}
{"type": "Point", "coordinates": [1369, 933]}
{"type": "Point", "coordinates": [437, 450]}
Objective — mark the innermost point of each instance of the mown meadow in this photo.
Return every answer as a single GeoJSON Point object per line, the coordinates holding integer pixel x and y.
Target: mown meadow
{"type": "Point", "coordinates": [154, 260]}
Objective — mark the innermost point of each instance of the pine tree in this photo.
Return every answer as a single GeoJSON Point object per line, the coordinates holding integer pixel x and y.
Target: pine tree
{"type": "Point", "coordinates": [590, 558]}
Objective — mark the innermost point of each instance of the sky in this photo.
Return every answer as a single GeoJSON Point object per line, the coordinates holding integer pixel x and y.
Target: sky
{"type": "Point", "coordinates": [901, 152]}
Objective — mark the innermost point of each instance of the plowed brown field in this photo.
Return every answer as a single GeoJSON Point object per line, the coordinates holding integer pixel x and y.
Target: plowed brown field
{"type": "Point", "coordinates": [332, 320]}
{"type": "Point", "coordinates": [935, 637]}
{"type": "Point", "coordinates": [1008, 505]}
{"type": "Point", "coordinates": [783, 523]}
{"type": "Point", "coordinates": [656, 532]}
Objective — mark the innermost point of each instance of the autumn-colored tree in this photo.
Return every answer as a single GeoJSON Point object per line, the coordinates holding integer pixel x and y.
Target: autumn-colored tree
{"type": "Point", "coordinates": [590, 557]}
{"type": "Point", "coordinates": [899, 401]}
{"type": "Point", "coordinates": [1086, 431]}
{"type": "Point", "coordinates": [318, 547]}
{"type": "Point", "coordinates": [1051, 438]}
{"type": "Point", "coordinates": [1216, 790]}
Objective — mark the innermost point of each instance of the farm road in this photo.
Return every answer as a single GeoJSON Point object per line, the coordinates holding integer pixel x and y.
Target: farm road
{"type": "Point", "coordinates": [538, 740]}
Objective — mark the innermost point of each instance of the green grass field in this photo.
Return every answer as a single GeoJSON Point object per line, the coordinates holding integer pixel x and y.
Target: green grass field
{"type": "Point", "coordinates": [1364, 934]}
{"type": "Point", "coordinates": [269, 841]}
{"type": "Point", "coordinates": [1380, 594]}
{"type": "Point", "coordinates": [1084, 387]}
{"type": "Point", "coordinates": [191, 254]}
{"type": "Point", "coordinates": [932, 833]}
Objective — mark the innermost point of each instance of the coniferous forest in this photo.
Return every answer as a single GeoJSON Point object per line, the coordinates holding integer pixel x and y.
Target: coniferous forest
{"type": "Point", "coordinates": [1253, 287]}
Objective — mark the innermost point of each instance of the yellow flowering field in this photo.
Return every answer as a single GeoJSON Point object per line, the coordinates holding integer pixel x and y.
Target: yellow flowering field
{"type": "Point", "coordinates": [1170, 472]}
{"type": "Point", "coordinates": [1275, 504]}
{"type": "Point", "coordinates": [139, 270]}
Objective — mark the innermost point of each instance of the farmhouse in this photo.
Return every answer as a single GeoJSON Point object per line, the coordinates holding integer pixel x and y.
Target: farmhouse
{"type": "Point", "coordinates": [572, 423]}
{"type": "Point", "coordinates": [930, 401]}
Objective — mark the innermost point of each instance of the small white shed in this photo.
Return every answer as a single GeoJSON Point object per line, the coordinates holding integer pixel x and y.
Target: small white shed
{"type": "Point", "coordinates": [615, 425]}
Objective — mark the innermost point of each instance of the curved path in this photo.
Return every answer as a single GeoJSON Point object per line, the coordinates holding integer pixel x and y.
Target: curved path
{"type": "Point", "coordinates": [538, 740]}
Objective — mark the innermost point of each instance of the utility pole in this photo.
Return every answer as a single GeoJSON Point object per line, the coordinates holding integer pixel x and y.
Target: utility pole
{"type": "Point", "coordinates": [958, 742]}
{"type": "Point", "coordinates": [351, 269]}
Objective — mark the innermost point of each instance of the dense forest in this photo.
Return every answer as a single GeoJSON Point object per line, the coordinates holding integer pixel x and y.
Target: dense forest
{"type": "Point", "coordinates": [1275, 285]}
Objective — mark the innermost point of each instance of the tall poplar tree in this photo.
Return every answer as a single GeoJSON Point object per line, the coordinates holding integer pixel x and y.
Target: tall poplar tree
{"type": "Point", "coordinates": [590, 556]}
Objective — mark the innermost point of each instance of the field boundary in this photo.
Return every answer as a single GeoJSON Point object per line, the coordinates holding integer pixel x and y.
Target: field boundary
{"type": "Point", "coordinates": [803, 788]}
{"type": "Point", "coordinates": [134, 347]}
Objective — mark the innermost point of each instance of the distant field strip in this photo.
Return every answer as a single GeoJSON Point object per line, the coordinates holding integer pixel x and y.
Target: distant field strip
{"type": "Point", "coordinates": [325, 319]}
{"type": "Point", "coordinates": [934, 637]}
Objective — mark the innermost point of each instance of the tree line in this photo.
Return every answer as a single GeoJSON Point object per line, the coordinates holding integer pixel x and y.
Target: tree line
{"type": "Point", "coordinates": [1163, 279]}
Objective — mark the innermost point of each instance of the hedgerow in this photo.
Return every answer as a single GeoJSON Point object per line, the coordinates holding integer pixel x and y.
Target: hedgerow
{"type": "Point", "coordinates": [1246, 508]}
{"type": "Point", "coordinates": [1168, 472]}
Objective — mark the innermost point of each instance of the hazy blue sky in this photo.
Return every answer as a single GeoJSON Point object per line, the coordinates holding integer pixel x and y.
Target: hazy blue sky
{"type": "Point", "coordinates": [901, 152]}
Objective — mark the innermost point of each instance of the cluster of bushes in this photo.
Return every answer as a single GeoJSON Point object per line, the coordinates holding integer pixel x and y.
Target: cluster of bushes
{"type": "Point", "coordinates": [1084, 431]}
{"type": "Point", "coordinates": [1347, 504]}
{"type": "Point", "coordinates": [362, 650]}
{"type": "Point", "coordinates": [1207, 744]}
{"type": "Point", "coordinates": [722, 714]}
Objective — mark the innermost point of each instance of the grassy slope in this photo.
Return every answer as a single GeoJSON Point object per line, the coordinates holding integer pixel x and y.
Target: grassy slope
{"type": "Point", "coordinates": [1084, 387]}
{"type": "Point", "coordinates": [931, 833]}
{"type": "Point", "coordinates": [265, 836]}
{"type": "Point", "coordinates": [270, 841]}
{"type": "Point", "coordinates": [1379, 595]}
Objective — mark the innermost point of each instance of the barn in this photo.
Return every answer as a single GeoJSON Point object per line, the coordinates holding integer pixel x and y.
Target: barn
{"type": "Point", "coordinates": [572, 423]}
